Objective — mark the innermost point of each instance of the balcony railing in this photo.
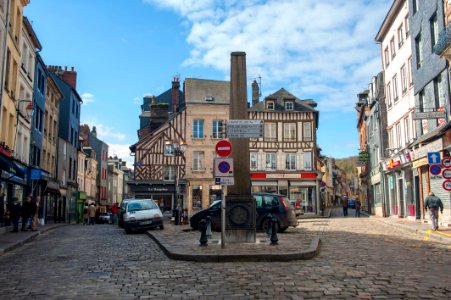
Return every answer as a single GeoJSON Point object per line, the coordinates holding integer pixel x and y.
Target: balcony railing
{"type": "Point", "coordinates": [444, 41]}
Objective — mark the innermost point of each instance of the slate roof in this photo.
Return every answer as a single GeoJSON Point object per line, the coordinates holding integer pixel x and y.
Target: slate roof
{"type": "Point", "coordinates": [279, 97]}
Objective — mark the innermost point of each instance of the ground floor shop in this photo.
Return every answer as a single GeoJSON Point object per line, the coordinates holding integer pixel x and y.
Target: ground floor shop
{"type": "Point", "coordinates": [202, 193]}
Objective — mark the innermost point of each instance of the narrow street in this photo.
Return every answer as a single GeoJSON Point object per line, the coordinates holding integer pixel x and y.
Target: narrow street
{"type": "Point", "coordinates": [359, 258]}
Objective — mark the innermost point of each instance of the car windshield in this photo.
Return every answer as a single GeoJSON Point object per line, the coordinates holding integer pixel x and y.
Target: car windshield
{"type": "Point", "coordinates": [141, 205]}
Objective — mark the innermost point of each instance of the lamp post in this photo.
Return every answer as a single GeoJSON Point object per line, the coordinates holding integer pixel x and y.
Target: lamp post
{"type": "Point", "coordinates": [28, 114]}
{"type": "Point", "coordinates": [176, 149]}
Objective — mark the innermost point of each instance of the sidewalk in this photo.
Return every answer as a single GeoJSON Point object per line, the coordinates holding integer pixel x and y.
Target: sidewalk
{"type": "Point", "coordinates": [11, 240]}
{"type": "Point", "coordinates": [443, 235]}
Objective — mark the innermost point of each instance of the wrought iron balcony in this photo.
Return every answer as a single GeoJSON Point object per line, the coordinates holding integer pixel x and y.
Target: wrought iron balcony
{"type": "Point", "coordinates": [443, 46]}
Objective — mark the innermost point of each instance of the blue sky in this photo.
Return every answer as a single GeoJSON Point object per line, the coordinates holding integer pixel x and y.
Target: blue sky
{"type": "Point", "coordinates": [123, 50]}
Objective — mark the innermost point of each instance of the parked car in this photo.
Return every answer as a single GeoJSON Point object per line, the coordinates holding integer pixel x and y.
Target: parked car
{"type": "Point", "coordinates": [351, 203]}
{"type": "Point", "coordinates": [142, 214]}
{"type": "Point", "coordinates": [105, 218]}
{"type": "Point", "coordinates": [121, 212]}
{"type": "Point", "coordinates": [266, 204]}
{"type": "Point", "coordinates": [296, 206]}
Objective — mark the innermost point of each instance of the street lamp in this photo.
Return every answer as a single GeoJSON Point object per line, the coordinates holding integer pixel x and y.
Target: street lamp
{"type": "Point", "coordinates": [29, 109]}
{"type": "Point", "coordinates": [175, 149]}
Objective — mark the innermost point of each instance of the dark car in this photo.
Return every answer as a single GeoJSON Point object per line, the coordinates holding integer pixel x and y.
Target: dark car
{"type": "Point", "coordinates": [351, 203]}
{"type": "Point", "coordinates": [121, 212]}
{"type": "Point", "coordinates": [266, 204]}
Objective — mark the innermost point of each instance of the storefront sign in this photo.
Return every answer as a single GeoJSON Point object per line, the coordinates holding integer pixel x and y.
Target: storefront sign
{"type": "Point", "coordinates": [434, 146]}
{"type": "Point", "coordinates": [304, 175]}
{"type": "Point", "coordinates": [420, 162]}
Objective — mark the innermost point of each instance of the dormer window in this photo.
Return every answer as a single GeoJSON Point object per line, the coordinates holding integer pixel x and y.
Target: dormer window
{"type": "Point", "coordinates": [270, 105]}
{"type": "Point", "coordinates": [289, 105]}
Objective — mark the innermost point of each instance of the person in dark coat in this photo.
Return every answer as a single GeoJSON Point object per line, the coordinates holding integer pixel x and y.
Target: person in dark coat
{"type": "Point", "coordinates": [14, 213]}
{"type": "Point", "coordinates": [28, 210]}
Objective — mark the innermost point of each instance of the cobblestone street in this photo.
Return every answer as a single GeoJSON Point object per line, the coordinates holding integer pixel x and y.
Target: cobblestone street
{"type": "Point", "coordinates": [359, 258]}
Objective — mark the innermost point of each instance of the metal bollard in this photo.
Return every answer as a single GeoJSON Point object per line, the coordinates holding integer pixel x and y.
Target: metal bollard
{"type": "Point", "coordinates": [274, 239]}
{"type": "Point", "coordinates": [208, 227]}
{"type": "Point", "coordinates": [203, 233]}
{"type": "Point", "coordinates": [269, 228]}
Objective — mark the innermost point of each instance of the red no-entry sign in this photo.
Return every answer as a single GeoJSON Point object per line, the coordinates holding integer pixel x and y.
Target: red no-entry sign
{"type": "Point", "coordinates": [223, 148]}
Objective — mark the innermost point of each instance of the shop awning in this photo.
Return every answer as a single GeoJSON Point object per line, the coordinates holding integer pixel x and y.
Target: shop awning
{"type": "Point", "coordinates": [8, 164]}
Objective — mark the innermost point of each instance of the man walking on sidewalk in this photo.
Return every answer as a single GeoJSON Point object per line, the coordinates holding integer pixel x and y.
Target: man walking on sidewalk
{"type": "Point", "coordinates": [433, 203]}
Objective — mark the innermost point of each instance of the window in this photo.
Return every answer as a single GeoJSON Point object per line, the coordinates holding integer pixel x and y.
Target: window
{"type": "Point", "coordinates": [433, 23]}
{"type": "Point", "coordinates": [403, 79]}
{"type": "Point", "coordinates": [289, 105]}
{"type": "Point", "coordinates": [290, 161]}
{"type": "Point", "coordinates": [400, 36]}
{"type": "Point", "coordinates": [395, 88]}
{"type": "Point", "coordinates": [271, 162]}
{"type": "Point", "coordinates": [198, 161]}
{"type": "Point", "coordinates": [419, 50]}
{"type": "Point", "coordinates": [307, 160]}
{"type": "Point", "coordinates": [386, 57]}
{"type": "Point", "coordinates": [307, 131]}
{"type": "Point", "coordinates": [406, 25]}
{"type": "Point", "coordinates": [218, 127]}
{"type": "Point", "coordinates": [407, 134]}
{"type": "Point", "coordinates": [409, 65]}
{"type": "Point", "coordinates": [270, 131]}
{"type": "Point", "coordinates": [439, 93]}
{"type": "Point", "coordinates": [198, 129]}
{"type": "Point", "coordinates": [254, 161]}
{"type": "Point", "coordinates": [270, 105]}
{"type": "Point", "coordinates": [169, 172]}
{"type": "Point", "coordinates": [388, 94]}
{"type": "Point", "coordinates": [289, 131]}
{"type": "Point", "coordinates": [415, 6]}
{"type": "Point", "coordinates": [392, 48]}
{"type": "Point", "coordinates": [398, 135]}
{"type": "Point", "coordinates": [421, 100]}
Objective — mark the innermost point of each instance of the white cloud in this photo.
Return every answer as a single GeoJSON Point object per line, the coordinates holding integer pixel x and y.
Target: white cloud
{"type": "Point", "coordinates": [87, 98]}
{"type": "Point", "coordinates": [104, 132]}
{"type": "Point", "coordinates": [326, 50]}
{"type": "Point", "coordinates": [121, 151]}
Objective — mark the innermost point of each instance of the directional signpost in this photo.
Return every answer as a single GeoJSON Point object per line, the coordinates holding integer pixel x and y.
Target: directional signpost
{"type": "Point", "coordinates": [244, 128]}
{"type": "Point", "coordinates": [434, 158]}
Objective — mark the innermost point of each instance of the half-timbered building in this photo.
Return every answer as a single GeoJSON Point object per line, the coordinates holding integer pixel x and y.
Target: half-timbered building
{"type": "Point", "coordinates": [283, 160]}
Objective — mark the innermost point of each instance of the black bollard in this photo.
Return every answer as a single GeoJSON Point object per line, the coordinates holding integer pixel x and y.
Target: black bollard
{"type": "Point", "coordinates": [203, 233]}
{"type": "Point", "coordinates": [274, 239]}
{"type": "Point", "coordinates": [208, 227]}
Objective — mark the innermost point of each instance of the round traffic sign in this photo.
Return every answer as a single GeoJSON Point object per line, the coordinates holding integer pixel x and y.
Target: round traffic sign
{"type": "Point", "coordinates": [224, 167]}
{"type": "Point", "coordinates": [447, 185]}
{"type": "Point", "coordinates": [223, 148]}
{"type": "Point", "coordinates": [446, 173]}
{"type": "Point", "coordinates": [446, 162]}
{"type": "Point", "coordinates": [435, 169]}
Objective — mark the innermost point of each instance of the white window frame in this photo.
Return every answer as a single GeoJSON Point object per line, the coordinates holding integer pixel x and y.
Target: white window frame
{"type": "Point", "coordinates": [290, 161]}
{"type": "Point", "coordinates": [395, 89]}
{"type": "Point", "coordinates": [198, 161]}
{"type": "Point", "coordinates": [289, 132]}
{"type": "Point", "coordinates": [307, 160]}
{"type": "Point", "coordinates": [198, 129]}
{"type": "Point", "coordinates": [169, 173]}
{"type": "Point", "coordinates": [270, 161]}
{"type": "Point", "coordinates": [218, 129]}
{"type": "Point", "coordinates": [289, 105]}
{"type": "Point", "coordinates": [403, 79]}
{"type": "Point", "coordinates": [307, 131]}
{"type": "Point", "coordinates": [270, 133]}
{"type": "Point", "coordinates": [253, 161]}
{"type": "Point", "coordinates": [270, 105]}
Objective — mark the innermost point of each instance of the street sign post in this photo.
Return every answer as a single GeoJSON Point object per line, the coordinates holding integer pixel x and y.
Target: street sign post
{"type": "Point", "coordinates": [244, 128]}
{"type": "Point", "coordinates": [223, 167]}
{"type": "Point", "coordinates": [223, 148]}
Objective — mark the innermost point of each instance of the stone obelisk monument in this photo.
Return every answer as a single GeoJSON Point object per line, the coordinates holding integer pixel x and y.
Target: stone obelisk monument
{"type": "Point", "coordinates": [240, 220]}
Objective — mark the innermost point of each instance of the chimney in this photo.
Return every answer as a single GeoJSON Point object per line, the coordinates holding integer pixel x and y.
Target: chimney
{"type": "Point", "coordinates": [175, 94]}
{"type": "Point", "coordinates": [255, 93]}
{"type": "Point", "coordinates": [94, 131]}
{"type": "Point", "coordinates": [70, 77]}
{"type": "Point", "coordinates": [153, 100]}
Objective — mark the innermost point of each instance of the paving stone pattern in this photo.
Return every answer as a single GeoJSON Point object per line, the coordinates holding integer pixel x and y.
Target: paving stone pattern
{"type": "Point", "coordinates": [360, 258]}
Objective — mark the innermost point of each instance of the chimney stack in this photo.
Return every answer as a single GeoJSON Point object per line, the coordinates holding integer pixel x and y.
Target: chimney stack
{"type": "Point", "coordinates": [175, 94]}
{"type": "Point", "coordinates": [255, 93]}
{"type": "Point", "coordinates": [70, 77]}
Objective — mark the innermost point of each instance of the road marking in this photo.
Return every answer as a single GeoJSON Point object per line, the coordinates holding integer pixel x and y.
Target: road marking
{"type": "Point", "coordinates": [445, 234]}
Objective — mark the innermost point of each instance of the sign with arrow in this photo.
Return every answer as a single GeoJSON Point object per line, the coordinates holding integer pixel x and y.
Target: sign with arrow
{"type": "Point", "coordinates": [434, 158]}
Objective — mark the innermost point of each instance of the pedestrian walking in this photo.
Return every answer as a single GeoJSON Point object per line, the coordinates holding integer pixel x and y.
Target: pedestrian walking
{"type": "Point", "coordinates": [15, 213]}
{"type": "Point", "coordinates": [358, 205]}
{"type": "Point", "coordinates": [27, 212]}
{"type": "Point", "coordinates": [114, 212]}
{"type": "Point", "coordinates": [344, 204]}
{"type": "Point", "coordinates": [86, 214]}
{"type": "Point", "coordinates": [38, 213]}
{"type": "Point", "coordinates": [433, 203]}
{"type": "Point", "coordinates": [92, 214]}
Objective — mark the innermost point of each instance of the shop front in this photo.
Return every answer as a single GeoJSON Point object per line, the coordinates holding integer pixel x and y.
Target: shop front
{"type": "Point", "coordinates": [303, 187]}
{"type": "Point", "coordinates": [51, 194]}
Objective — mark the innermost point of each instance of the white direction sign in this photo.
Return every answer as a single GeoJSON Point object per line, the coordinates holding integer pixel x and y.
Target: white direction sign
{"type": "Point", "coordinates": [225, 180]}
{"type": "Point", "coordinates": [244, 128]}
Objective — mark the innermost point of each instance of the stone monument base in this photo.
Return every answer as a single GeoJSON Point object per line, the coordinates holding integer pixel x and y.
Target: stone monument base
{"type": "Point", "coordinates": [240, 219]}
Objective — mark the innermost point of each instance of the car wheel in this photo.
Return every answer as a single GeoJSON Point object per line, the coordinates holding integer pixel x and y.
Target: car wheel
{"type": "Point", "coordinates": [128, 230]}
